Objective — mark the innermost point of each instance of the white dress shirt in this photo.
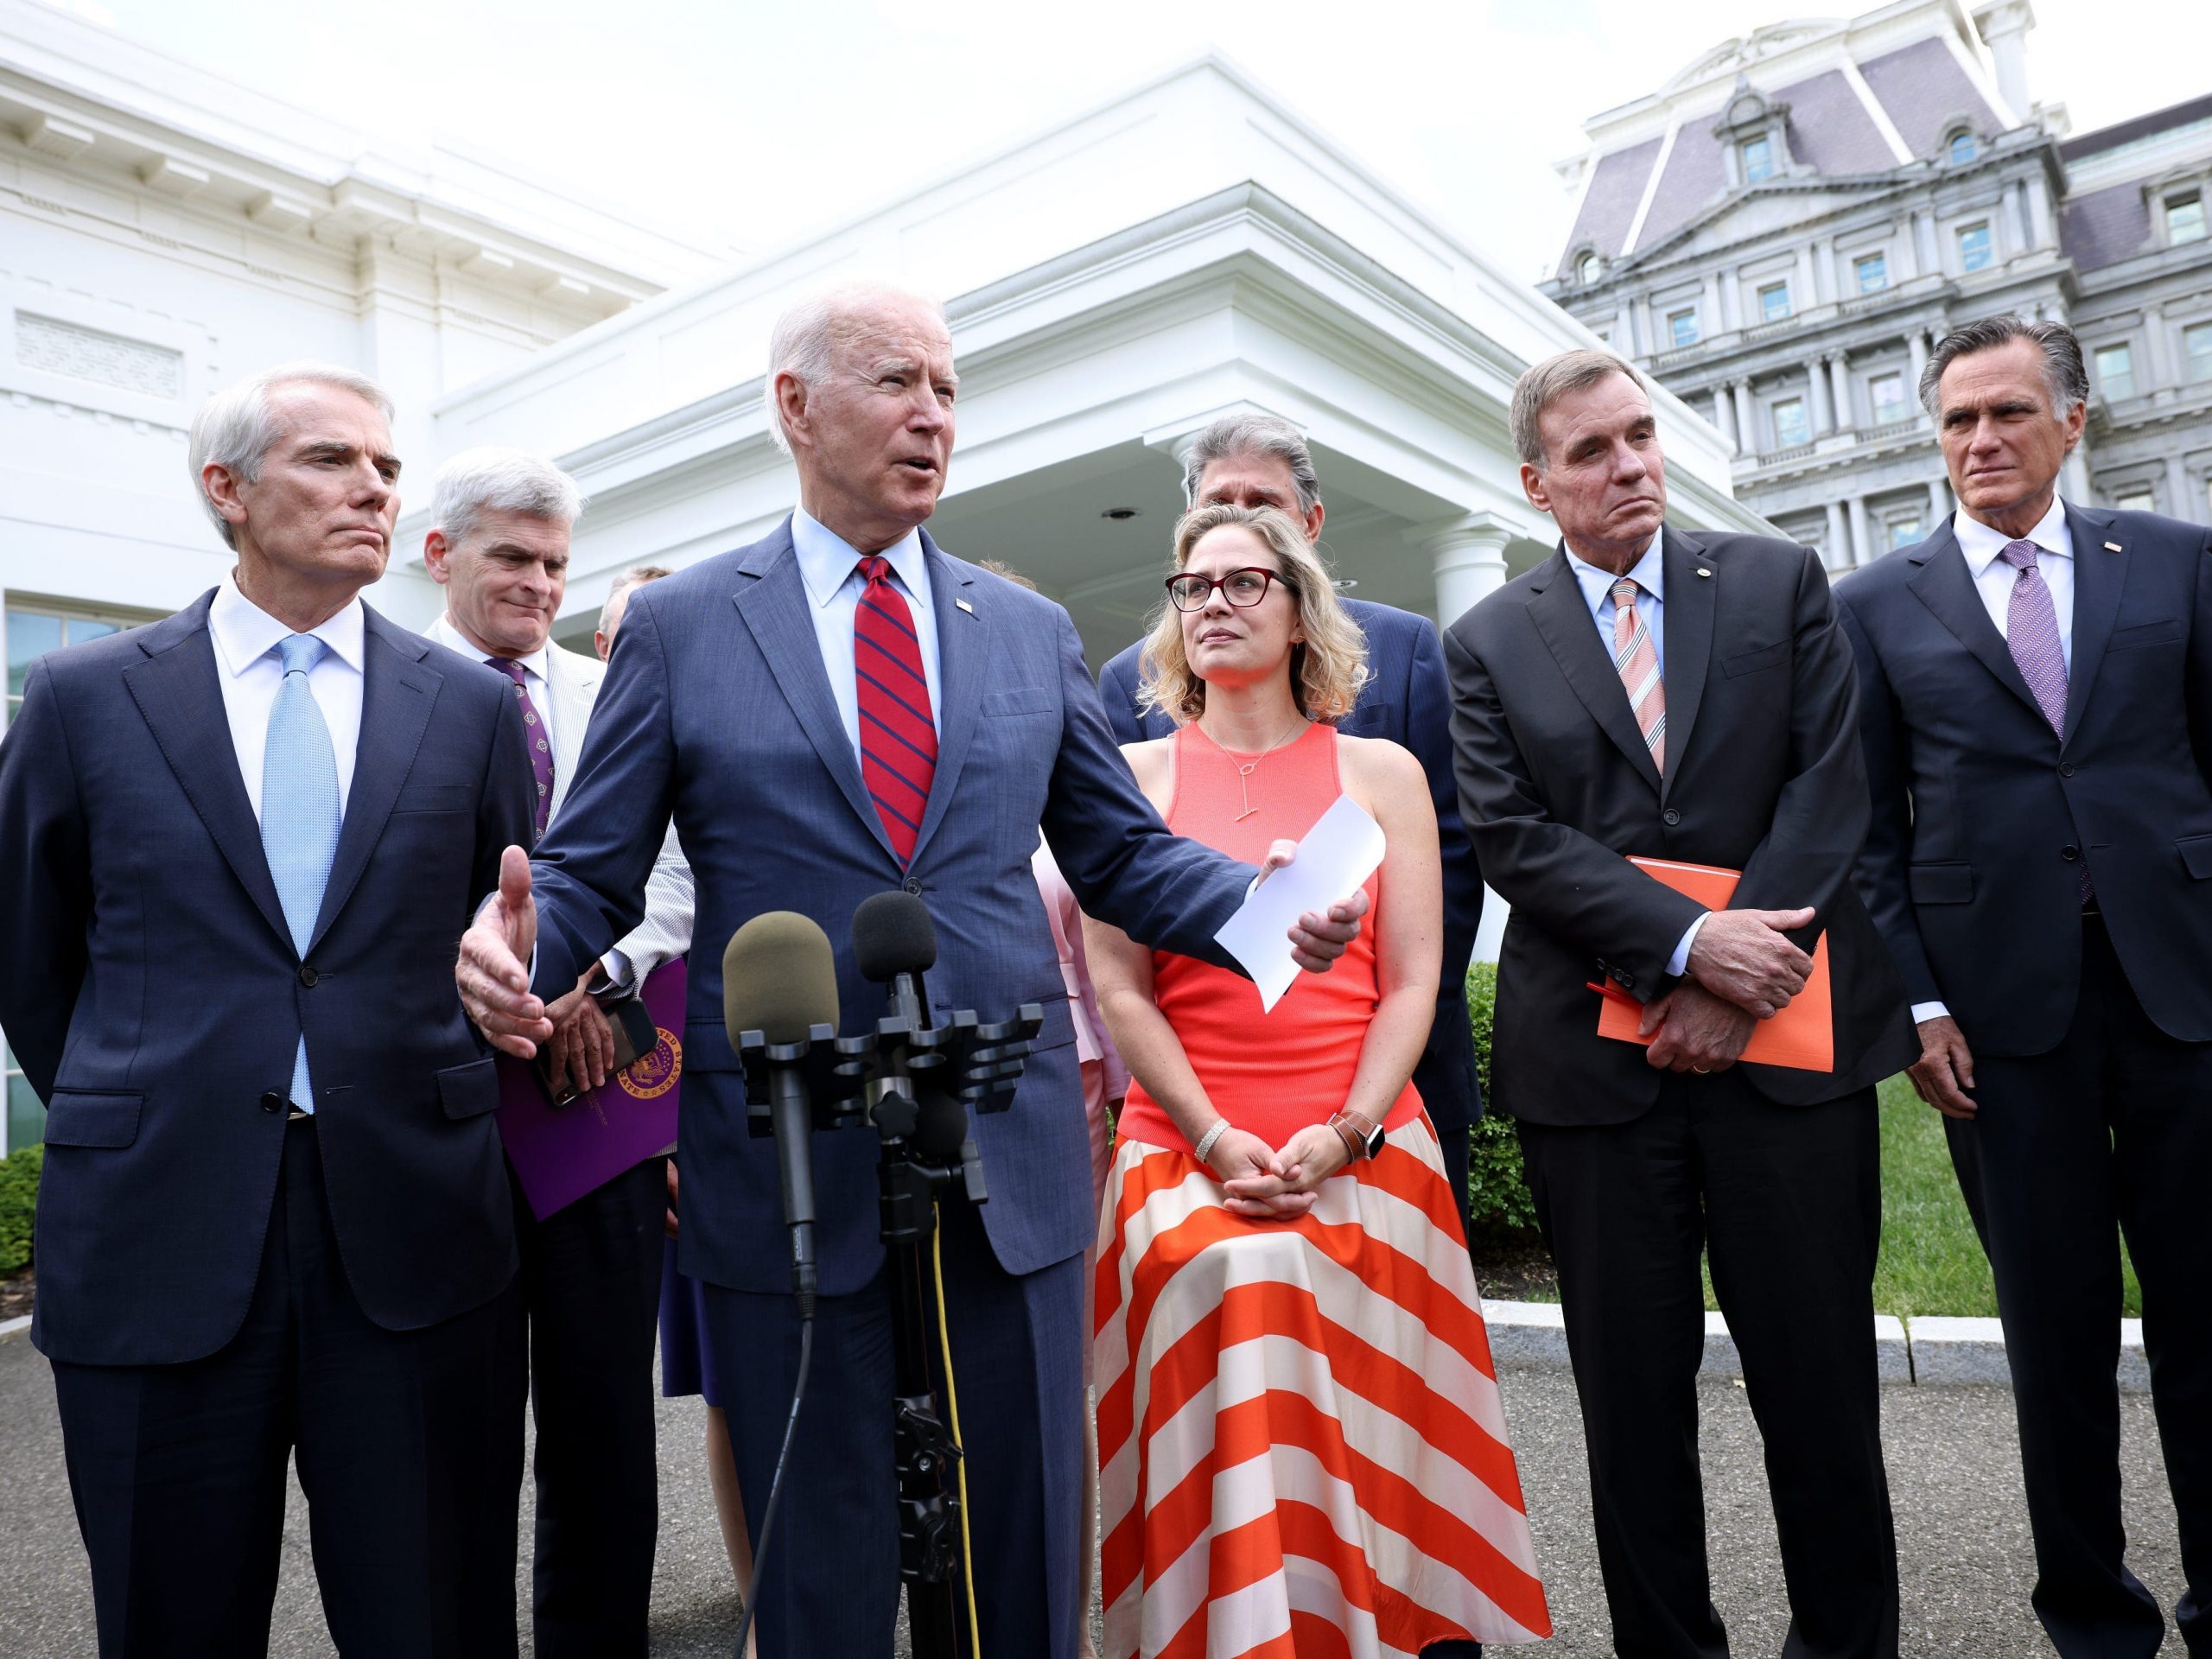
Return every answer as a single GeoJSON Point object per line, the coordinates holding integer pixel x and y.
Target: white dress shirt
{"type": "Point", "coordinates": [1978, 545]}
{"type": "Point", "coordinates": [246, 639]}
{"type": "Point", "coordinates": [534, 668]}
{"type": "Point", "coordinates": [827, 565]}
{"type": "Point", "coordinates": [1649, 574]}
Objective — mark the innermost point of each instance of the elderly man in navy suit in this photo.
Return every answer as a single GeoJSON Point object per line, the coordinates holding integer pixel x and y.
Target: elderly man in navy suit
{"type": "Point", "coordinates": [2036, 707]}
{"type": "Point", "coordinates": [838, 710]}
{"type": "Point", "coordinates": [236, 847]}
{"type": "Point", "coordinates": [1259, 461]}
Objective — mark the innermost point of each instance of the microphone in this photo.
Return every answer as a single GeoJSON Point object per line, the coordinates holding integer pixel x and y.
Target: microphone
{"type": "Point", "coordinates": [894, 939]}
{"type": "Point", "coordinates": [779, 978]}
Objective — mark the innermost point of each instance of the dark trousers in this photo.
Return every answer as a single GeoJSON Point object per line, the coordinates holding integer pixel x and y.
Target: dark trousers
{"type": "Point", "coordinates": [1787, 1202]}
{"type": "Point", "coordinates": [591, 1290]}
{"type": "Point", "coordinates": [2111, 1129]}
{"type": "Point", "coordinates": [828, 1579]}
{"type": "Point", "coordinates": [179, 1470]}
{"type": "Point", "coordinates": [1452, 1143]}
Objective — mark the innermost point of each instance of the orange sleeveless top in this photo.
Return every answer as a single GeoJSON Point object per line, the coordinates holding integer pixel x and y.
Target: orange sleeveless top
{"type": "Point", "coordinates": [1273, 1073]}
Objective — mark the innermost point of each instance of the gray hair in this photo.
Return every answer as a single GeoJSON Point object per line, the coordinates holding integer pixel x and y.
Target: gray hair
{"type": "Point", "coordinates": [1253, 434]}
{"type": "Point", "coordinates": [1541, 384]}
{"type": "Point", "coordinates": [2063, 367]}
{"type": "Point", "coordinates": [617, 591]}
{"type": "Point", "coordinates": [236, 428]}
{"type": "Point", "coordinates": [804, 341]}
{"type": "Point", "coordinates": [478, 481]}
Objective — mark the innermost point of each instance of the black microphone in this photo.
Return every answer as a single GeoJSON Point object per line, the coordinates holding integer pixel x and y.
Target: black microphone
{"type": "Point", "coordinates": [779, 978]}
{"type": "Point", "coordinates": [895, 940]}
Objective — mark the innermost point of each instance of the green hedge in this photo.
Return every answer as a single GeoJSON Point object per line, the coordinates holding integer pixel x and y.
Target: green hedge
{"type": "Point", "coordinates": [18, 1201]}
{"type": "Point", "coordinates": [1498, 1200]}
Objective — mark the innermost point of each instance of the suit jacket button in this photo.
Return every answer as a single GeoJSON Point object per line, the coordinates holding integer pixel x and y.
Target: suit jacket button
{"type": "Point", "coordinates": [1626, 979]}
{"type": "Point", "coordinates": [1670, 817]}
{"type": "Point", "coordinates": [2066, 768]}
{"type": "Point", "coordinates": [912, 884]}
{"type": "Point", "coordinates": [2069, 852]}
{"type": "Point", "coordinates": [273, 1101]}
{"type": "Point", "coordinates": [307, 975]}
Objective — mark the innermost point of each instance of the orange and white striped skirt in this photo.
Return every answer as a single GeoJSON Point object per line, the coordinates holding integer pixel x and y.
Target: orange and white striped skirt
{"type": "Point", "coordinates": [1302, 1451]}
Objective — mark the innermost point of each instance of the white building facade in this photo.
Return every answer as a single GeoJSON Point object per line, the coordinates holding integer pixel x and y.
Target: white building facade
{"type": "Point", "coordinates": [1114, 284]}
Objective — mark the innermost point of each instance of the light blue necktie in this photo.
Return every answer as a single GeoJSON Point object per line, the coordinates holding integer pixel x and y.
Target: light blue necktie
{"type": "Point", "coordinates": [299, 810]}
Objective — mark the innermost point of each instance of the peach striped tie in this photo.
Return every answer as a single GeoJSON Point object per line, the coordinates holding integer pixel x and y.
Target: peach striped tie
{"type": "Point", "coordinates": [1635, 659]}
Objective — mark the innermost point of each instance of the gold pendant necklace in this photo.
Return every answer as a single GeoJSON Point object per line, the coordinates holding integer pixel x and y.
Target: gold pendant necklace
{"type": "Point", "coordinates": [1245, 769]}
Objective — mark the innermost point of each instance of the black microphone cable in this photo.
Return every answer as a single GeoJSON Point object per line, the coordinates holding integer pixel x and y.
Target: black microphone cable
{"type": "Point", "coordinates": [776, 1485]}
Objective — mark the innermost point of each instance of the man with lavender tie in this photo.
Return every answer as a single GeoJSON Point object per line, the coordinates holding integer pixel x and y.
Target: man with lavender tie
{"type": "Point", "coordinates": [2036, 710]}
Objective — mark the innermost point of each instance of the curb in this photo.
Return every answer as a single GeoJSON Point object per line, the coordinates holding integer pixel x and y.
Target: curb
{"type": "Point", "coordinates": [15, 1327]}
{"type": "Point", "coordinates": [1926, 1352]}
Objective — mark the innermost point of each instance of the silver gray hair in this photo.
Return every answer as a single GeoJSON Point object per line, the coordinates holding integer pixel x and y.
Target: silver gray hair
{"type": "Point", "coordinates": [2063, 370]}
{"type": "Point", "coordinates": [618, 592]}
{"type": "Point", "coordinates": [1541, 384]}
{"type": "Point", "coordinates": [1253, 434]}
{"type": "Point", "coordinates": [803, 342]}
{"type": "Point", "coordinates": [478, 481]}
{"type": "Point", "coordinates": [236, 428]}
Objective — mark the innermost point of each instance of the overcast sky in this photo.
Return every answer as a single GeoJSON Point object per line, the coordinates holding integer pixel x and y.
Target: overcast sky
{"type": "Point", "coordinates": [753, 121]}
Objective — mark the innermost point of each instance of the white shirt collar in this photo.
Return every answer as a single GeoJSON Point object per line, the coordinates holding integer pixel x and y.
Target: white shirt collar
{"type": "Point", "coordinates": [826, 560]}
{"type": "Point", "coordinates": [453, 639]}
{"type": "Point", "coordinates": [244, 633]}
{"type": "Point", "coordinates": [1981, 545]}
{"type": "Point", "coordinates": [1648, 572]}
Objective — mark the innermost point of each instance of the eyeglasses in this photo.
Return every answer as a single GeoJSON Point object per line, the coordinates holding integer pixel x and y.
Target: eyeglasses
{"type": "Point", "coordinates": [1242, 589]}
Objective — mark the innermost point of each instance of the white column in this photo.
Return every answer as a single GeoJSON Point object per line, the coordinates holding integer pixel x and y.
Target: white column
{"type": "Point", "coordinates": [1939, 502]}
{"type": "Point", "coordinates": [2154, 338]}
{"type": "Point", "coordinates": [2040, 225]}
{"type": "Point", "coordinates": [1732, 299]}
{"type": "Point", "coordinates": [1747, 437]}
{"type": "Point", "coordinates": [1624, 330]}
{"type": "Point", "coordinates": [1923, 241]}
{"type": "Point", "coordinates": [1824, 271]}
{"type": "Point", "coordinates": [1863, 551]}
{"type": "Point", "coordinates": [1469, 555]}
{"type": "Point", "coordinates": [1724, 416]}
{"type": "Point", "coordinates": [2004, 27]}
{"type": "Point", "coordinates": [1805, 292]}
{"type": "Point", "coordinates": [1710, 315]}
{"type": "Point", "coordinates": [1837, 554]}
{"type": "Point", "coordinates": [2073, 478]}
{"type": "Point", "coordinates": [1816, 372]}
{"type": "Point", "coordinates": [2177, 503]}
{"type": "Point", "coordinates": [1847, 419]}
{"type": "Point", "coordinates": [2016, 219]}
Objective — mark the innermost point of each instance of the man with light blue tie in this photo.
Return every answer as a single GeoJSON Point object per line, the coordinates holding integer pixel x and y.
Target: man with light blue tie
{"type": "Point", "coordinates": [236, 847]}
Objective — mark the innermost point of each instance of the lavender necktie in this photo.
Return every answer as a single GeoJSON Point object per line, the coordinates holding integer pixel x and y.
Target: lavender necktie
{"type": "Point", "coordinates": [540, 752]}
{"type": "Point", "coordinates": [2031, 630]}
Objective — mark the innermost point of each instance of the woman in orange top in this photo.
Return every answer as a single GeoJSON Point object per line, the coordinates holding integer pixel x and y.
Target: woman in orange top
{"type": "Point", "coordinates": [1301, 1446]}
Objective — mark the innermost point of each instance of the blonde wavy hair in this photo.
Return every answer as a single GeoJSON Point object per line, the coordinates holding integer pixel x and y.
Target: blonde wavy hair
{"type": "Point", "coordinates": [1326, 671]}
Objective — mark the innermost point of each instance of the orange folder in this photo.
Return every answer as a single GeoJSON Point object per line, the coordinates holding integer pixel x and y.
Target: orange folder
{"type": "Point", "coordinates": [1802, 1036]}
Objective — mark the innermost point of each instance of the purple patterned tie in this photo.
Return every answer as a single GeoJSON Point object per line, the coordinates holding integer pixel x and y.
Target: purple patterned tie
{"type": "Point", "coordinates": [2031, 630]}
{"type": "Point", "coordinates": [541, 753]}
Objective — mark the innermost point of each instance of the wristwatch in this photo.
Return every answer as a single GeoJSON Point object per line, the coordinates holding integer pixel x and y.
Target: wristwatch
{"type": "Point", "coordinates": [1362, 1138]}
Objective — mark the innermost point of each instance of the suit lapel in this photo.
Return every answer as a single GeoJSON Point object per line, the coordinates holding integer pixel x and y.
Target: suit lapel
{"type": "Point", "coordinates": [1686, 625]}
{"type": "Point", "coordinates": [2100, 574]}
{"type": "Point", "coordinates": [774, 606]}
{"type": "Point", "coordinates": [1563, 618]}
{"type": "Point", "coordinates": [1943, 586]}
{"type": "Point", "coordinates": [398, 690]}
{"type": "Point", "coordinates": [572, 684]}
{"type": "Point", "coordinates": [180, 697]}
{"type": "Point", "coordinates": [963, 639]}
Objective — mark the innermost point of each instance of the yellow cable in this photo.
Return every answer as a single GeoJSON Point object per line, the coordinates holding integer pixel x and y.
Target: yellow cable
{"type": "Point", "coordinates": [952, 1410]}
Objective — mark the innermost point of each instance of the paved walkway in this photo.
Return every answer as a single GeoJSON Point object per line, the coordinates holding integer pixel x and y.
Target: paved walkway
{"type": "Point", "coordinates": [1962, 1537]}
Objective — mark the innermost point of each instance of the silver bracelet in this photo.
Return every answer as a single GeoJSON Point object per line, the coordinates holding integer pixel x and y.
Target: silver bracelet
{"type": "Point", "coordinates": [1205, 1142]}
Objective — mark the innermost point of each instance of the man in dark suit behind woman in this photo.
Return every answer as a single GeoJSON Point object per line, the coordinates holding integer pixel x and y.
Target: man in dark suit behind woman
{"type": "Point", "coordinates": [1258, 460]}
{"type": "Point", "coordinates": [1685, 695]}
{"type": "Point", "coordinates": [2036, 704]}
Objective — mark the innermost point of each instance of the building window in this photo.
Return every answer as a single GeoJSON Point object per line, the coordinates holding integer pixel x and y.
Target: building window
{"type": "Point", "coordinates": [26, 1117]}
{"type": "Point", "coordinates": [35, 630]}
{"type": "Point", "coordinates": [1959, 148]}
{"type": "Point", "coordinates": [1904, 531]}
{"type": "Point", "coordinates": [1976, 253]}
{"type": "Point", "coordinates": [1774, 302]}
{"type": "Point", "coordinates": [2116, 371]}
{"type": "Point", "coordinates": [1873, 271]}
{"type": "Point", "coordinates": [2136, 498]}
{"type": "Point", "coordinates": [1589, 269]}
{"type": "Point", "coordinates": [2196, 346]}
{"type": "Point", "coordinates": [1885, 393]}
{"type": "Point", "coordinates": [1758, 159]}
{"type": "Point", "coordinates": [1681, 328]}
{"type": "Point", "coordinates": [2185, 218]}
{"type": "Point", "coordinates": [1789, 428]}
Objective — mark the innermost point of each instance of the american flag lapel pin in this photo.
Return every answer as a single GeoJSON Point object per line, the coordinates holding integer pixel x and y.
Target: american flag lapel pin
{"type": "Point", "coordinates": [1702, 571]}
{"type": "Point", "coordinates": [965, 606]}
{"type": "Point", "coordinates": [2112, 547]}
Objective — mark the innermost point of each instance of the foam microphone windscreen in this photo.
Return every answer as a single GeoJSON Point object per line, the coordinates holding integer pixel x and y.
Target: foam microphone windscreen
{"type": "Point", "coordinates": [779, 976]}
{"type": "Point", "coordinates": [892, 934]}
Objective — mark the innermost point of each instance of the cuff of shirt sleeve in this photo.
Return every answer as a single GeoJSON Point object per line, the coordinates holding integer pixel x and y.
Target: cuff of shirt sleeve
{"type": "Point", "coordinates": [1928, 1011]}
{"type": "Point", "coordinates": [1679, 963]}
{"type": "Point", "coordinates": [619, 974]}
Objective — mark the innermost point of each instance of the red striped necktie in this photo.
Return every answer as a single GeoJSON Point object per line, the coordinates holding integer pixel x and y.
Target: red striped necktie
{"type": "Point", "coordinates": [898, 736]}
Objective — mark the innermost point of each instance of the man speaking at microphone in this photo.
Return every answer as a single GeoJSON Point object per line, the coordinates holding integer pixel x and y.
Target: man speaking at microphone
{"type": "Point", "coordinates": [839, 709]}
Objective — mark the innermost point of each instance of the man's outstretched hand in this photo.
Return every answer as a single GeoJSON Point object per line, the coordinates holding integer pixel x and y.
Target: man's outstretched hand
{"type": "Point", "coordinates": [493, 974]}
{"type": "Point", "coordinates": [1317, 941]}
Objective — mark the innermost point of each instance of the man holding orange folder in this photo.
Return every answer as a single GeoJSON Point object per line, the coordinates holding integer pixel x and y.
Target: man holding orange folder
{"type": "Point", "coordinates": [1683, 701]}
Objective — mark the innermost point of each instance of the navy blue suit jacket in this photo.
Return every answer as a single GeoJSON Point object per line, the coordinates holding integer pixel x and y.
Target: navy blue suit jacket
{"type": "Point", "coordinates": [717, 708]}
{"type": "Point", "coordinates": [150, 989]}
{"type": "Point", "coordinates": [1981, 811]}
{"type": "Point", "coordinates": [1408, 701]}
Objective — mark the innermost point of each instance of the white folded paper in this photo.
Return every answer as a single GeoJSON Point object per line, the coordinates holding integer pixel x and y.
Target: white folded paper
{"type": "Point", "coordinates": [1338, 855]}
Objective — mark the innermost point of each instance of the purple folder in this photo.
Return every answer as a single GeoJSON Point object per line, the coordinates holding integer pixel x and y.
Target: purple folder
{"type": "Point", "coordinates": [562, 1152]}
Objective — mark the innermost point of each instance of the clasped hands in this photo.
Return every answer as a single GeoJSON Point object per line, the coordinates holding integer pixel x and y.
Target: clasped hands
{"type": "Point", "coordinates": [1267, 1184]}
{"type": "Point", "coordinates": [1741, 970]}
